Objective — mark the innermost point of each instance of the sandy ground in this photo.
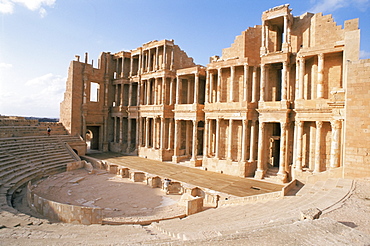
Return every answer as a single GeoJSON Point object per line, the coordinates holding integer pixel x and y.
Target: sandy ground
{"type": "Point", "coordinates": [121, 199]}
{"type": "Point", "coordinates": [355, 211]}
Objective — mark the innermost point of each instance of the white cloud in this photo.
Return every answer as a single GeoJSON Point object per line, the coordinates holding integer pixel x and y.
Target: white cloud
{"type": "Point", "coordinates": [364, 54]}
{"type": "Point", "coordinates": [4, 65]}
{"type": "Point", "coordinates": [40, 96]}
{"type": "Point", "coordinates": [331, 5]}
{"type": "Point", "coordinates": [7, 6]}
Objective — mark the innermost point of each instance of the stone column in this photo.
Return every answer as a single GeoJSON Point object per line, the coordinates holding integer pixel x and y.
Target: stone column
{"type": "Point", "coordinates": [318, 147]}
{"type": "Point", "coordinates": [263, 83]}
{"type": "Point", "coordinates": [171, 91]}
{"type": "Point", "coordinates": [147, 132]}
{"type": "Point", "coordinates": [123, 67]}
{"type": "Point", "coordinates": [244, 140]}
{"type": "Point", "coordinates": [254, 85]}
{"type": "Point", "coordinates": [195, 141]}
{"type": "Point", "coordinates": [320, 76]}
{"type": "Point", "coordinates": [156, 58]}
{"type": "Point", "coordinates": [282, 160]}
{"type": "Point", "coordinates": [122, 94]}
{"type": "Point", "coordinates": [211, 98]}
{"type": "Point", "coordinates": [148, 101]}
{"type": "Point", "coordinates": [116, 95]}
{"type": "Point", "coordinates": [196, 89]}
{"type": "Point", "coordinates": [139, 64]}
{"type": "Point", "coordinates": [130, 95]}
{"type": "Point", "coordinates": [187, 137]}
{"type": "Point", "coordinates": [172, 58]}
{"type": "Point", "coordinates": [129, 129]}
{"type": "Point", "coordinates": [245, 82]}
{"type": "Point", "coordinates": [164, 57]}
{"type": "Point", "coordinates": [217, 152]}
{"type": "Point", "coordinates": [162, 135]}
{"type": "Point", "coordinates": [170, 135]}
{"type": "Point", "coordinates": [261, 151]}
{"type": "Point", "coordinates": [230, 139]}
{"type": "Point", "coordinates": [219, 78]}
{"type": "Point", "coordinates": [164, 90]}
{"type": "Point", "coordinates": [297, 64]}
{"type": "Point", "coordinates": [285, 29]}
{"type": "Point", "coordinates": [301, 77]}
{"type": "Point", "coordinates": [206, 138]}
{"type": "Point", "coordinates": [252, 146]}
{"type": "Point", "coordinates": [298, 161]}
{"type": "Point", "coordinates": [176, 142]}
{"type": "Point", "coordinates": [206, 98]}
{"type": "Point", "coordinates": [178, 90]}
{"type": "Point", "coordinates": [131, 65]}
{"type": "Point", "coordinates": [115, 130]}
{"type": "Point", "coordinates": [232, 78]}
{"type": "Point", "coordinates": [150, 61]}
{"type": "Point", "coordinates": [120, 129]}
{"type": "Point", "coordinates": [336, 127]}
{"type": "Point", "coordinates": [284, 80]}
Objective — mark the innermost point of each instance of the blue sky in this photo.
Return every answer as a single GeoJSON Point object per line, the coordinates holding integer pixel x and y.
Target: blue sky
{"type": "Point", "coordinates": [39, 38]}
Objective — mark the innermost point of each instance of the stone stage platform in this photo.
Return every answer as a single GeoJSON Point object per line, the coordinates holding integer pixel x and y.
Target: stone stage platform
{"type": "Point", "coordinates": [232, 185]}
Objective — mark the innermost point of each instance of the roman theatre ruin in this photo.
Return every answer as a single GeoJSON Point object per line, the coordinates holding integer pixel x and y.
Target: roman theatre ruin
{"type": "Point", "coordinates": [270, 136]}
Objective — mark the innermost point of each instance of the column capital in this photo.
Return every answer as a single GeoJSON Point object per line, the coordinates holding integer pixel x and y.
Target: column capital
{"type": "Point", "coordinates": [319, 124]}
{"type": "Point", "coordinates": [336, 124]}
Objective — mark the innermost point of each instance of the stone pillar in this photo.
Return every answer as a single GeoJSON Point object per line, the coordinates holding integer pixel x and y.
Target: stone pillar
{"type": "Point", "coordinates": [244, 140]}
{"type": "Point", "coordinates": [129, 129]}
{"type": "Point", "coordinates": [156, 58]}
{"type": "Point", "coordinates": [195, 141]}
{"type": "Point", "coordinates": [252, 146]}
{"type": "Point", "coordinates": [148, 101]}
{"type": "Point", "coordinates": [139, 64]}
{"type": "Point", "coordinates": [122, 94]}
{"type": "Point", "coordinates": [230, 139]}
{"type": "Point", "coordinates": [172, 58]}
{"type": "Point", "coordinates": [164, 57]}
{"type": "Point", "coordinates": [206, 98]}
{"type": "Point", "coordinates": [232, 78]}
{"type": "Point", "coordinates": [320, 76]}
{"type": "Point", "coordinates": [178, 90]}
{"type": "Point", "coordinates": [318, 147]}
{"type": "Point", "coordinates": [162, 135]}
{"type": "Point", "coordinates": [284, 80]}
{"type": "Point", "coordinates": [285, 29]}
{"type": "Point", "coordinates": [298, 161]}
{"type": "Point", "coordinates": [164, 90]}
{"type": "Point", "coordinates": [245, 82]}
{"type": "Point", "coordinates": [206, 138]}
{"type": "Point", "coordinates": [115, 130]}
{"type": "Point", "coordinates": [261, 151]}
{"type": "Point", "coordinates": [336, 127]}
{"type": "Point", "coordinates": [116, 95]}
{"type": "Point", "coordinates": [219, 78]}
{"type": "Point", "coordinates": [196, 89]}
{"type": "Point", "coordinates": [150, 62]}
{"type": "Point", "coordinates": [254, 85]}
{"type": "Point", "coordinates": [297, 64]}
{"type": "Point", "coordinates": [120, 129]}
{"type": "Point", "coordinates": [171, 91]}
{"type": "Point", "coordinates": [301, 77]}
{"type": "Point", "coordinates": [175, 157]}
{"type": "Point", "coordinates": [123, 66]}
{"type": "Point", "coordinates": [187, 137]}
{"type": "Point", "coordinates": [147, 132]}
{"type": "Point", "coordinates": [129, 95]}
{"type": "Point", "coordinates": [131, 65]}
{"type": "Point", "coordinates": [263, 83]}
{"type": "Point", "coordinates": [211, 98]}
{"type": "Point", "coordinates": [217, 152]}
{"type": "Point", "coordinates": [282, 160]}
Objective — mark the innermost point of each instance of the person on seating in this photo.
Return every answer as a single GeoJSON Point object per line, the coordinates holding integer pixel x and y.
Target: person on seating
{"type": "Point", "coordinates": [166, 185]}
{"type": "Point", "coordinates": [48, 130]}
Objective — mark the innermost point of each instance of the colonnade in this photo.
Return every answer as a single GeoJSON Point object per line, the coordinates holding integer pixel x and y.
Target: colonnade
{"type": "Point", "coordinates": [214, 87]}
{"type": "Point", "coordinates": [125, 130]}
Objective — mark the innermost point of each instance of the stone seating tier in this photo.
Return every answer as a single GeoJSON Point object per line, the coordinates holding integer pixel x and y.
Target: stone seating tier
{"type": "Point", "coordinates": [26, 158]}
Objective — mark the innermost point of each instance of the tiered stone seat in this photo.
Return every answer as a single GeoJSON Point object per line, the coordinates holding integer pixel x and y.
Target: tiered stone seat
{"type": "Point", "coordinates": [24, 128]}
{"type": "Point", "coordinates": [235, 219]}
{"type": "Point", "coordinates": [25, 158]}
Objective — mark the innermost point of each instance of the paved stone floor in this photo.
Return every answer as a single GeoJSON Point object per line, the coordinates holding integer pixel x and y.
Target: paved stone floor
{"type": "Point", "coordinates": [228, 184]}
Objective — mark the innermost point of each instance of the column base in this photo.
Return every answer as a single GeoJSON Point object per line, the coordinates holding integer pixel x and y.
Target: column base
{"type": "Point", "coordinates": [283, 177]}
{"type": "Point", "coordinates": [175, 159]}
{"type": "Point", "coordinates": [259, 174]}
{"type": "Point", "coordinates": [196, 163]}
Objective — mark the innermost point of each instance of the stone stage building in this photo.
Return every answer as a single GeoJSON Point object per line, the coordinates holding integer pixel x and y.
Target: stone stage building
{"type": "Point", "coordinates": [289, 99]}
